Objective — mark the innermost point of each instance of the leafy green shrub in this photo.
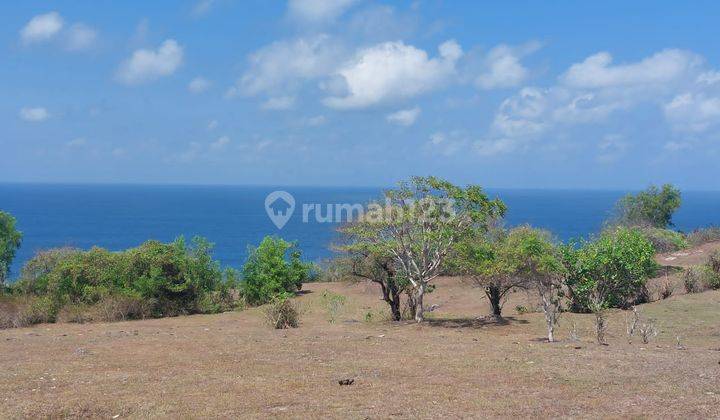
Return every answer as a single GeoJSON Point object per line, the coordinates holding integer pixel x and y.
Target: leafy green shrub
{"type": "Point", "coordinates": [700, 278]}
{"type": "Point", "coordinates": [702, 236]}
{"type": "Point", "coordinates": [154, 279]}
{"type": "Point", "coordinates": [610, 271]}
{"type": "Point", "coordinates": [272, 269]}
{"type": "Point", "coordinates": [665, 240]}
{"type": "Point", "coordinates": [282, 312]}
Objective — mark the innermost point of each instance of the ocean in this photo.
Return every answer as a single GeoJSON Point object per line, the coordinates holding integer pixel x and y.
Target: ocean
{"type": "Point", "coordinates": [234, 217]}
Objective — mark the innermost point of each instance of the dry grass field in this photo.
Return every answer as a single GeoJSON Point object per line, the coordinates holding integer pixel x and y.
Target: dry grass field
{"type": "Point", "coordinates": [458, 364]}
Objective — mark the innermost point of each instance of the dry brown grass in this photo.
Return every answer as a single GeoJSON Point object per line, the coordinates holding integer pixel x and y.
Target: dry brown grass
{"type": "Point", "coordinates": [458, 364]}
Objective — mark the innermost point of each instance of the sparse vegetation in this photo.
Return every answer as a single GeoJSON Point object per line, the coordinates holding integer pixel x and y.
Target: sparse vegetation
{"type": "Point", "coordinates": [702, 236]}
{"type": "Point", "coordinates": [282, 312]}
{"type": "Point", "coordinates": [334, 304]}
{"type": "Point", "coordinates": [665, 240]}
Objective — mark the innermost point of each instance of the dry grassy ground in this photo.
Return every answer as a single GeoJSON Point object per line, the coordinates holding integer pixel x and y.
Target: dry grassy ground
{"type": "Point", "coordinates": [455, 365]}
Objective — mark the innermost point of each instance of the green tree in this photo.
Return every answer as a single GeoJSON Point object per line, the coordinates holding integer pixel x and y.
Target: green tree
{"type": "Point", "coordinates": [10, 239]}
{"type": "Point", "coordinates": [653, 207]}
{"type": "Point", "coordinates": [418, 225]}
{"type": "Point", "coordinates": [273, 269]}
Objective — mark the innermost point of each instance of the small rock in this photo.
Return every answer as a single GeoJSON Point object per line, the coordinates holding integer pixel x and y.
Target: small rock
{"type": "Point", "coordinates": [346, 382]}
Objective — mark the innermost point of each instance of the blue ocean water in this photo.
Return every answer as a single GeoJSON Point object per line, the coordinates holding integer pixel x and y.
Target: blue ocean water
{"type": "Point", "coordinates": [233, 217]}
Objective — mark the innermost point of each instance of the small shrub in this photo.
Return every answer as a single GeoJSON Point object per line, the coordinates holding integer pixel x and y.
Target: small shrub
{"type": "Point", "coordinates": [270, 271]}
{"type": "Point", "coordinates": [282, 313]}
{"type": "Point", "coordinates": [700, 278]}
{"type": "Point", "coordinates": [521, 309]}
{"type": "Point", "coordinates": [714, 261]}
{"type": "Point", "coordinates": [667, 289]}
{"type": "Point", "coordinates": [334, 304]}
{"type": "Point", "coordinates": [647, 331]}
{"type": "Point", "coordinates": [702, 236]}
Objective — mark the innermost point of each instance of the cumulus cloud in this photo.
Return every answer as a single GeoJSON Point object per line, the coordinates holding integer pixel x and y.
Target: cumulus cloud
{"type": "Point", "coordinates": [406, 117]}
{"type": "Point", "coordinates": [391, 71]}
{"type": "Point", "coordinates": [279, 103]}
{"type": "Point", "coordinates": [598, 71]}
{"type": "Point", "coordinates": [611, 148]}
{"type": "Point", "coordinates": [502, 67]}
{"type": "Point", "coordinates": [77, 142]}
{"type": "Point", "coordinates": [146, 65]}
{"type": "Point", "coordinates": [202, 7]}
{"type": "Point", "coordinates": [198, 85]}
{"type": "Point", "coordinates": [36, 114]}
{"type": "Point", "coordinates": [282, 65]}
{"type": "Point", "coordinates": [42, 28]}
{"type": "Point", "coordinates": [318, 11]}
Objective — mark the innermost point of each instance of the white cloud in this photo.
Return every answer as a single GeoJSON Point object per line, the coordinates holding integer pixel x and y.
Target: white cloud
{"type": "Point", "coordinates": [220, 143]}
{"type": "Point", "coordinates": [318, 11]}
{"type": "Point", "coordinates": [663, 67]}
{"type": "Point", "coordinates": [146, 65]}
{"type": "Point", "coordinates": [709, 78]}
{"type": "Point", "coordinates": [673, 146]}
{"type": "Point", "coordinates": [199, 85]}
{"type": "Point", "coordinates": [406, 117]}
{"type": "Point", "coordinates": [80, 37]}
{"type": "Point", "coordinates": [36, 114]}
{"type": "Point", "coordinates": [119, 152]}
{"type": "Point", "coordinates": [279, 103]}
{"type": "Point", "coordinates": [391, 71]}
{"type": "Point", "coordinates": [693, 112]}
{"type": "Point", "coordinates": [502, 67]}
{"type": "Point", "coordinates": [212, 125]}
{"type": "Point", "coordinates": [42, 28]}
{"type": "Point", "coordinates": [280, 66]}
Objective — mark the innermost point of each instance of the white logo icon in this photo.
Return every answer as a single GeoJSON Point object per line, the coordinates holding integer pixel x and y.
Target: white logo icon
{"type": "Point", "coordinates": [279, 206]}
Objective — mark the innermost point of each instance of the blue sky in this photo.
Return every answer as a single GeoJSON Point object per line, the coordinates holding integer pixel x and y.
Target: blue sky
{"type": "Point", "coordinates": [530, 94]}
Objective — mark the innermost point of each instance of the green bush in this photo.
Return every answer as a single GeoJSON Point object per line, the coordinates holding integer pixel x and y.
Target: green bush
{"type": "Point", "coordinates": [703, 236]}
{"type": "Point", "coordinates": [154, 279]}
{"type": "Point", "coordinates": [272, 269]}
{"type": "Point", "coordinates": [665, 240]}
{"type": "Point", "coordinates": [610, 271]}
{"type": "Point", "coordinates": [334, 304]}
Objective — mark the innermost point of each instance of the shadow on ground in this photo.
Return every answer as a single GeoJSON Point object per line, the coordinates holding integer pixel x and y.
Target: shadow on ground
{"type": "Point", "coordinates": [473, 322]}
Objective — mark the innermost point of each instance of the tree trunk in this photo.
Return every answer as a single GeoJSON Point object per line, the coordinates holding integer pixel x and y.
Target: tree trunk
{"type": "Point", "coordinates": [493, 294]}
{"type": "Point", "coordinates": [551, 331]}
{"type": "Point", "coordinates": [395, 307]}
{"type": "Point", "coordinates": [419, 309]}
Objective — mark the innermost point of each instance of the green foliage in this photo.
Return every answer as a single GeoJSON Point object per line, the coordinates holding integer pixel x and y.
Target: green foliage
{"type": "Point", "coordinates": [169, 278]}
{"type": "Point", "coordinates": [665, 240]}
{"type": "Point", "coordinates": [10, 239]}
{"type": "Point", "coordinates": [653, 207]}
{"type": "Point", "coordinates": [609, 271]}
{"type": "Point", "coordinates": [273, 268]}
